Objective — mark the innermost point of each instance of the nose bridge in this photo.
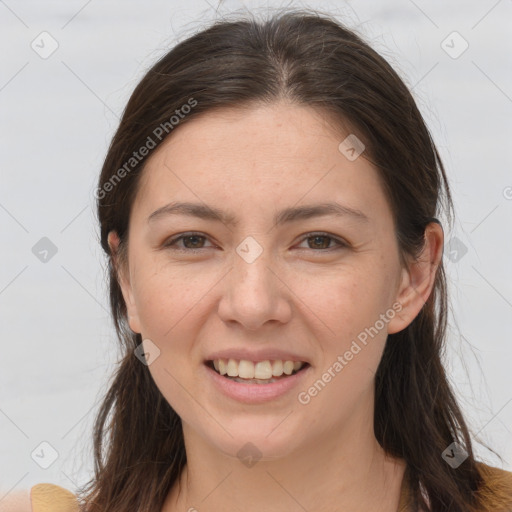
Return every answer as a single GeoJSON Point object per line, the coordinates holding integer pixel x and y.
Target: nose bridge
{"type": "Point", "coordinates": [252, 273]}
{"type": "Point", "coordinates": [253, 293]}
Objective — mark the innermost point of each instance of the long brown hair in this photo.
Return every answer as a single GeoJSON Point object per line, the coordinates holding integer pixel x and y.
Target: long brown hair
{"type": "Point", "coordinates": [309, 59]}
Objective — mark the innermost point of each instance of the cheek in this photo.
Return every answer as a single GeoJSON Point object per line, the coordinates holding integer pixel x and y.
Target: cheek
{"type": "Point", "coordinates": [167, 298]}
{"type": "Point", "coordinates": [169, 304]}
{"type": "Point", "coordinates": [346, 302]}
{"type": "Point", "coordinates": [352, 337]}
{"type": "Point", "coordinates": [354, 310]}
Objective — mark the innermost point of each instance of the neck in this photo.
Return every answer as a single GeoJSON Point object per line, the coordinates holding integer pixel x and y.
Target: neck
{"type": "Point", "coordinates": [346, 471]}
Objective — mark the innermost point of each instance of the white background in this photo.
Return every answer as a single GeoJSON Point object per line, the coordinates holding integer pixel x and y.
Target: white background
{"type": "Point", "coordinates": [57, 116]}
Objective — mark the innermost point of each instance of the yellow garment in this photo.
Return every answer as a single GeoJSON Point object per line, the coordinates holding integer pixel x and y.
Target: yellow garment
{"type": "Point", "coordinates": [52, 498]}
{"type": "Point", "coordinates": [496, 493]}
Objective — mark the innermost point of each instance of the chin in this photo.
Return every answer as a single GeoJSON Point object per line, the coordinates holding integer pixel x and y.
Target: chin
{"type": "Point", "coordinates": [263, 440]}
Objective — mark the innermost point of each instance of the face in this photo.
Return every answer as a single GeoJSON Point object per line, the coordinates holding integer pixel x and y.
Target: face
{"type": "Point", "coordinates": [270, 282]}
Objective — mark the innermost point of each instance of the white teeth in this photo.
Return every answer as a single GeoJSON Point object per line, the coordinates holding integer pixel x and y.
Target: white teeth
{"type": "Point", "coordinates": [277, 368]}
{"type": "Point", "coordinates": [288, 367]}
{"type": "Point", "coordinates": [222, 366]}
{"type": "Point", "coordinates": [262, 370]}
{"type": "Point", "coordinates": [246, 369]}
{"type": "Point", "coordinates": [232, 368]}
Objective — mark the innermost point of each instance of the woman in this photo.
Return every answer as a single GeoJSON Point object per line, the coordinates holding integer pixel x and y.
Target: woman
{"type": "Point", "coordinates": [269, 206]}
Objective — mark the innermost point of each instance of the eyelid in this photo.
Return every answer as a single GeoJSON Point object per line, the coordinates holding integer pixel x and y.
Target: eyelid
{"type": "Point", "coordinates": [340, 243]}
{"type": "Point", "coordinates": [174, 239]}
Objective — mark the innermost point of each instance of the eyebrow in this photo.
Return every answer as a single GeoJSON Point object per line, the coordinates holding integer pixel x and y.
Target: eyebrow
{"type": "Point", "coordinates": [285, 216]}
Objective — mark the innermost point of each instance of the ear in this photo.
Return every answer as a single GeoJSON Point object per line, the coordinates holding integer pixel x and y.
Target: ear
{"type": "Point", "coordinates": [124, 281]}
{"type": "Point", "coordinates": [418, 279]}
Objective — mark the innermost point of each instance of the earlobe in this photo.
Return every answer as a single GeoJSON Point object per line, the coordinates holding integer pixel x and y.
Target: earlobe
{"type": "Point", "coordinates": [124, 282]}
{"type": "Point", "coordinates": [417, 281]}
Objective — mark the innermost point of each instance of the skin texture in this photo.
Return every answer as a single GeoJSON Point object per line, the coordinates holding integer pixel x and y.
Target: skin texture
{"type": "Point", "coordinates": [16, 501]}
{"type": "Point", "coordinates": [297, 296]}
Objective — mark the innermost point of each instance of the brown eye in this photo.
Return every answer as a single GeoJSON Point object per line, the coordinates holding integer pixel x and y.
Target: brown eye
{"type": "Point", "coordinates": [322, 241]}
{"type": "Point", "coordinates": [191, 242]}
{"type": "Point", "coordinates": [194, 241]}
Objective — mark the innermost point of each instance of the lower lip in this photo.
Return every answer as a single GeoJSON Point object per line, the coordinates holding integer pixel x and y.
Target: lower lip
{"type": "Point", "coordinates": [256, 393]}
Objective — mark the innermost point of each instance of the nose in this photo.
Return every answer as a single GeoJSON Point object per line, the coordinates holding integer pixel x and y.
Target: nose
{"type": "Point", "coordinates": [254, 293]}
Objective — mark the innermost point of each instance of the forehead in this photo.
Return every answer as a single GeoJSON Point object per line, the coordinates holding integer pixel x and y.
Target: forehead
{"type": "Point", "coordinates": [258, 157]}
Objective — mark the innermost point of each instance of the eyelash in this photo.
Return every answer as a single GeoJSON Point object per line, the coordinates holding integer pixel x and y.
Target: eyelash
{"type": "Point", "coordinates": [172, 242]}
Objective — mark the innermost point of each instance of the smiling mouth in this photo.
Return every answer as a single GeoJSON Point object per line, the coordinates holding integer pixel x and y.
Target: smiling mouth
{"type": "Point", "coordinates": [260, 372]}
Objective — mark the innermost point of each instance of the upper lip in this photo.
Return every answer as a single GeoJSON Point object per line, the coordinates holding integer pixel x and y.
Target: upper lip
{"type": "Point", "coordinates": [270, 354]}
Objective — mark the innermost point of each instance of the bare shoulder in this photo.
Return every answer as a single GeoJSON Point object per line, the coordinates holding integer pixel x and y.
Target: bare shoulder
{"type": "Point", "coordinates": [16, 501]}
